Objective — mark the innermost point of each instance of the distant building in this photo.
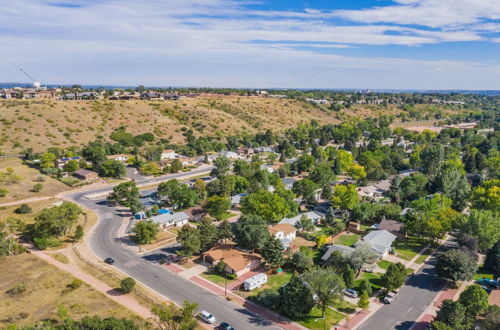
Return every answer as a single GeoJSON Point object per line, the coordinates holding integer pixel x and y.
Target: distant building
{"type": "Point", "coordinates": [311, 215]}
{"type": "Point", "coordinates": [86, 175]}
{"type": "Point", "coordinates": [63, 161]}
{"type": "Point", "coordinates": [168, 154]}
{"type": "Point", "coordinates": [119, 157]}
{"type": "Point", "coordinates": [165, 220]}
{"type": "Point", "coordinates": [285, 232]}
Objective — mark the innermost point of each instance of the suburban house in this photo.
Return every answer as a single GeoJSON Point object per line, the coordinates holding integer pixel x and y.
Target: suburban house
{"type": "Point", "coordinates": [86, 175]}
{"type": "Point", "coordinates": [375, 190]}
{"type": "Point", "coordinates": [188, 161]}
{"type": "Point", "coordinates": [392, 226]}
{"type": "Point", "coordinates": [119, 157]}
{"type": "Point", "coordinates": [311, 215]}
{"type": "Point", "coordinates": [229, 154]}
{"type": "Point", "coordinates": [285, 232]}
{"type": "Point", "coordinates": [345, 250]}
{"type": "Point", "coordinates": [236, 200]}
{"type": "Point", "coordinates": [168, 154]}
{"type": "Point", "coordinates": [288, 183]}
{"type": "Point", "coordinates": [236, 261]}
{"type": "Point", "coordinates": [380, 241]}
{"type": "Point", "coordinates": [63, 161]}
{"type": "Point", "coordinates": [165, 220]}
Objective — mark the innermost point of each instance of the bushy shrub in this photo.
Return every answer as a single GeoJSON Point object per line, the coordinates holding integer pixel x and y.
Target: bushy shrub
{"type": "Point", "coordinates": [127, 285]}
{"type": "Point", "coordinates": [23, 209]}
{"type": "Point", "coordinates": [45, 242]}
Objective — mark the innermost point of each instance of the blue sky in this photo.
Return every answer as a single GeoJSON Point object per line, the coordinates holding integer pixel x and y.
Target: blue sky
{"type": "Point", "coordinates": [407, 44]}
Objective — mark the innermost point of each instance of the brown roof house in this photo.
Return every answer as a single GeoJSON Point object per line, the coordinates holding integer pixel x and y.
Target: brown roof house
{"type": "Point", "coordinates": [86, 175]}
{"type": "Point", "coordinates": [392, 226]}
{"type": "Point", "coordinates": [236, 261]}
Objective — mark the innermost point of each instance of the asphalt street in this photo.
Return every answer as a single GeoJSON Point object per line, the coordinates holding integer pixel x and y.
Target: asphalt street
{"type": "Point", "coordinates": [413, 299]}
{"type": "Point", "coordinates": [104, 242]}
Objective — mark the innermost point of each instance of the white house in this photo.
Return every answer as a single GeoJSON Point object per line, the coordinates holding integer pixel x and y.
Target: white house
{"type": "Point", "coordinates": [229, 154]}
{"type": "Point", "coordinates": [288, 183]}
{"type": "Point", "coordinates": [311, 215]}
{"type": "Point", "coordinates": [165, 220]}
{"type": "Point", "coordinates": [168, 154]}
{"type": "Point", "coordinates": [285, 232]}
{"type": "Point", "coordinates": [236, 200]}
{"type": "Point", "coordinates": [380, 241]}
{"type": "Point", "coordinates": [119, 157]}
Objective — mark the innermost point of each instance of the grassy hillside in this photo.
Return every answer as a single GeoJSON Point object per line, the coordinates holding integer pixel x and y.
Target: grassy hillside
{"type": "Point", "coordinates": [40, 124]}
{"type": "Point", "coordinates": [45, 294]}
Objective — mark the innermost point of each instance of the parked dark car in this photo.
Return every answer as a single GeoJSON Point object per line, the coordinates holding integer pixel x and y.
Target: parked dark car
{"type": "Point", "coordinates": [109, 261]}
{"type": "Point", "coordinates": [225, 326]}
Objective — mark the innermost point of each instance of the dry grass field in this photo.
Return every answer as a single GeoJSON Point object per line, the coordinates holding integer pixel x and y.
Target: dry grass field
{"type": "Point", "coordinates": [41, 124]}
{"type": "Point", "coordinates": [28, 177]}
{"type": "Point", "coordinates": [46, 294]}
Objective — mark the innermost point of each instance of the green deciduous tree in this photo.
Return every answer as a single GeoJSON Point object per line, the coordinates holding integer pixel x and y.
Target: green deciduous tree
{"type": "Point", "coordinates": [453, 314]}
{"type": "Point", "coordinates": [482, 224]}
{"type": "Point", "coordinates": [217, 206]}
{"type": "Point", "coordinates": [145, 232]}
{"type": "Point", "coordinates": [394, 277]}
{"type": "Point", "coordinates": [174, 318]}
{"type": "Point", "coordinates": [474, 299]}
{"type": "Point", "coordinates": [345, 197]}
{"type": "Point", "coordinates": [296, 298]}
{"type": "Point", "coordinates": [362, 254]}
{"type": "Point", "coordinates": [251, 232]}
{"type": "Point", "coordinates": [269, 206]}
{"type": "Point", "coordinates": [487, 195]}
{"type": "Point", "coordinates": [113, 169]}
{"type": "Point", "coordinates": [325, 285]}
{"type": "Point", "coordinates": [178, 194]}
{"type": "Point", "coordinates": [47, 160]}
{"type": "Point", "coordinates": [124, 194]}
{"type": "Point", "coordinates": [456, 265]}
{"type": "Point", "coordinates": [189, 238]}
{"type": "Point", "coordinates": [57, 220]}
{"type": "Point", "coordinates": [71, 166]}
{"type": "Point", "coordinates": [491, 319]}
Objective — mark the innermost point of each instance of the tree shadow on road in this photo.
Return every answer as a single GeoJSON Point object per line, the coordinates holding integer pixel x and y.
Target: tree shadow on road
{"type": "Point", "coordinates": [406, 325]}
{"type": "Point", "coordinates": [254, 319]}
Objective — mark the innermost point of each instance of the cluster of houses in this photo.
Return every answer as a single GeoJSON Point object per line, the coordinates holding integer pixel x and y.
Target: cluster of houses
{"type": "Point", "coordinates": [29, 93]}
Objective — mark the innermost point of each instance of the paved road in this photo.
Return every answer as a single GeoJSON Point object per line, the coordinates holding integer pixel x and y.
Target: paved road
{"type": "Point", "coordinates": [104, 242]}
{"type": "Point", "coordinates": [414, 297]}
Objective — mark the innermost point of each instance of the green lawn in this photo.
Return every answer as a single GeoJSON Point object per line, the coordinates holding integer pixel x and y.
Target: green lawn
{"type": "Point", "coordinates": [373, 278]}
{"type": "Point", "coordinates": [407, 249]}
{"type": "Point", "coordinates": [327, 231]}
{"type": "Point", "coordinates": [344, 307]}
{"type": "Point", "coordinates": [347, 239]}
{"type": "Point", "coordinates": [215, 277]}
{"type": "Point", "coordinates": [274, 282]}
{"type": "Point", "coordinates": [423, 256]}
{"type": "Point", "coordinates": [483, 273]}
{"type": "Point", "coordinates": [384, 264]}
{"type": "Point", "coordinates": [315, 322]}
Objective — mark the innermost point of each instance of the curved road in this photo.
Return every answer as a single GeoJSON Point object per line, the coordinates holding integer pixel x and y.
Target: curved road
{"type": "Point", "coordinates": [104, 242]}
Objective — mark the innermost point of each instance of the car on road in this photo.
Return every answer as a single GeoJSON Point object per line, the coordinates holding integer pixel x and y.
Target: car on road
{"type": "Point", "coordinates": [389, 297]}
{"type": "Point", "coordinates": [157, 257]}
{"type": "Point", "coordinates": [207, 317]}
{"type": "Point", "coordinates": [109, 261]}
{"type": "Point", "coordinates": [225, 326]}
{"type": "Point", "coordinates": [350, 293]}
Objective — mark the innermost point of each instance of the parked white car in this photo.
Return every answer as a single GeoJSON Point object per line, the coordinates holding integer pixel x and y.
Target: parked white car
{"type": "Point", "coordinates": [207, 317]}
{"type": "Point", "coordinates": [389, 298]}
